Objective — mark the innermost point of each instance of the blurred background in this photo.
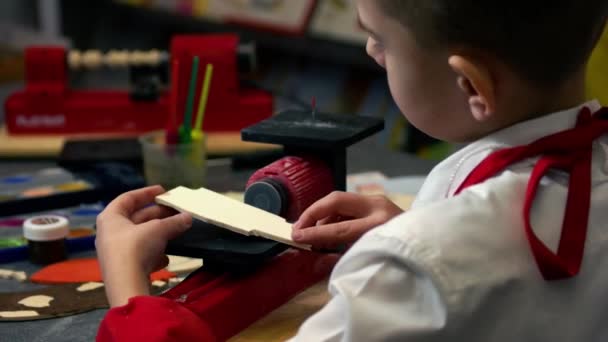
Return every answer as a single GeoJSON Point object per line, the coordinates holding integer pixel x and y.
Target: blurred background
{"type": "Point", "coordinates": [296, 49]}
{"type": "Point", "coordinates": [304, 48]}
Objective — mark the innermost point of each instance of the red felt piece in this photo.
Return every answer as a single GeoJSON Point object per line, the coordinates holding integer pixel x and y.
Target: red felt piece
{"type": "Point", "coordinates": [80, 271]}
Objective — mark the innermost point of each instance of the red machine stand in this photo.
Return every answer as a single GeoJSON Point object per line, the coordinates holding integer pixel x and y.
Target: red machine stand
{"type": "Point", "coordinates": [231, 301]}
{"type": "Point", "coordinates": [48, 105]}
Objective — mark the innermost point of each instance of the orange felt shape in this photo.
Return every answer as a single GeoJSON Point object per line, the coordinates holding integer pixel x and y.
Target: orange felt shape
{"type": "Point", "coordinates": [80, 271]}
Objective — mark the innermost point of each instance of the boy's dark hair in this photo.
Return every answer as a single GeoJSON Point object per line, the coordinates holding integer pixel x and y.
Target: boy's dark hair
{"type": "Point", "coordinates": [543, 41]}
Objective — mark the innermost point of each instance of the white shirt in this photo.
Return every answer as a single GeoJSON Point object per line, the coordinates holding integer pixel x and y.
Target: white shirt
{"type": "Point", "coordinates": [460, 267]}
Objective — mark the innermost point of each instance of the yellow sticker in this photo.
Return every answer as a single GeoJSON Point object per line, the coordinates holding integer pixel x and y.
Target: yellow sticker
{"type": "Point", "coordinates": [73, 186]}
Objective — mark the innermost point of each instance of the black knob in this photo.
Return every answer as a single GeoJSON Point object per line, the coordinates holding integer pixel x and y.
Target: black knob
{"type": "Point", "coordinates": [267, 194]}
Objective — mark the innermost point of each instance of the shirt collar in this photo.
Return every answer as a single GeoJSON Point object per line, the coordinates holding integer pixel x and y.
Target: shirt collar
{"type": "Point", "coordinates": [530, 130]}
{"type": "Point", "coordinates": [450, 173]}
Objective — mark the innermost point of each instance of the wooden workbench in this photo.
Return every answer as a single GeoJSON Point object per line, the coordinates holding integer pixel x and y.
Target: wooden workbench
{"type": "Point", "coordinates": [50, 146]}
{"type": "Point", "coordinates": [284, 322]}
{"type": "Point", "coordinates": [278, 325]}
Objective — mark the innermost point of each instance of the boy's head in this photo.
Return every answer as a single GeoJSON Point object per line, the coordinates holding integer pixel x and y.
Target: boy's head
{"type": "Point", "coordinates": [459, 69]}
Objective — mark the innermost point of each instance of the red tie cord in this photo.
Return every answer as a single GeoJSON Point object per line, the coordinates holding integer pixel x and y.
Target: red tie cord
{"type": "Point", "coordinates": [569, 150]}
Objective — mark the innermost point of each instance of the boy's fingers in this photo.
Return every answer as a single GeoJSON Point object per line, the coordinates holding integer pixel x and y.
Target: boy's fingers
{"type": "Point", "coordinates": [334, 219]}
{"type": "Point", "coordinates": [336, 203]}
{"type": "Point", "coordinates": [151, 213]}
{"type": "Point", "coordinates": [327, 220]}
{"type": "Point", "coordinates": [129, 202]}
{"type": "Point", "coordinates": [170, 227]}
{"type": "Point", "coordinates": [344, 232]}
{"type": "Point", "coordinates": [163, 262]}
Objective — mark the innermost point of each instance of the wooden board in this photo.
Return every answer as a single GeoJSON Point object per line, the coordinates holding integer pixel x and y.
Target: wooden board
{"type": "Point", "coordinates": [50, 146]}
{"type": "Point", "coordinates": [229, 213]}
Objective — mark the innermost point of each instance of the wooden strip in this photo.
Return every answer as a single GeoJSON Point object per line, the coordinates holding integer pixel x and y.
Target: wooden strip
{"type": "Point", "coordinates": [228, 213]}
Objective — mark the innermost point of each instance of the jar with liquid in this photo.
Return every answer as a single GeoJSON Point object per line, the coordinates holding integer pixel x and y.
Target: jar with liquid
{"type": "Point", "coordinates": [45, 237]}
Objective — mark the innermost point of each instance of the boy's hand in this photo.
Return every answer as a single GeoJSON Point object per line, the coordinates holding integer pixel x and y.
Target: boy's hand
{"type": "Point", "coordinates": [131, 240]}
{"type": "Point", "coordinates": [341, 218]}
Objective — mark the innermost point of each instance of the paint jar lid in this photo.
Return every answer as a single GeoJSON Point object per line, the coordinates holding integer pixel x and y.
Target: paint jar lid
{"type": "Point", "coordinates": [46, 228]}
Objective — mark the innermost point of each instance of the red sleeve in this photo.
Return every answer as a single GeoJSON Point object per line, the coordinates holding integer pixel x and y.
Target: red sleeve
{"type": "Point", "coordinates": [152, 319]}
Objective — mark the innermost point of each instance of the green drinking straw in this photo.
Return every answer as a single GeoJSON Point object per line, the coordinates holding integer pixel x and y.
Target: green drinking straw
{"type": "Point", "coordinates": [197, 133]}
{"type": "Point", "coordinates": [185, 135]}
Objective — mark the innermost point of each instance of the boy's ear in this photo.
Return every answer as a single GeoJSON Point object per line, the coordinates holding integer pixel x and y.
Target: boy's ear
{"type": "Point", "coordinates": [475, 81]}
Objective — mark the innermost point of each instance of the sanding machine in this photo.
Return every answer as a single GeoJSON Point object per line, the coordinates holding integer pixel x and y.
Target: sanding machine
{"type": "Point", "coordinates": [245, 278]}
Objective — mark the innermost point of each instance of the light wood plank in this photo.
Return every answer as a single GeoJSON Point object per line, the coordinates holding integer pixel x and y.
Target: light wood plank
{"type": "Point", "coordinates": [225, 212]}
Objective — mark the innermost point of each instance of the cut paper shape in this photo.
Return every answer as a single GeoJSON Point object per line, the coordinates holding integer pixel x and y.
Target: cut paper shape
{"type": "Point", "coordinates": [180, 264]}
{"type": "Point", "coordinates": [159, 283]}
{"type": "Point", "coordinates": [80, 271]}
{"type": "Point", "coordinates": [67, 300]}
{"type": "Point", "coordinates": [89, 286]}
{"type": "Point", "coordinates": [225, 212]}
{"type": "Point", "coordinates": [38, 301]}
{"type": "Point", "coordinates": [19, 314]}
{"type": "Point", "coordinates": [10, 274]}
{"type": "Point", "coordinates": [176, 280]}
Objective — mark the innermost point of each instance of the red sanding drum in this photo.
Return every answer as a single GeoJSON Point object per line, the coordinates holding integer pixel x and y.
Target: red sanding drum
{"type": "Point", "coordinates": [289, 185]}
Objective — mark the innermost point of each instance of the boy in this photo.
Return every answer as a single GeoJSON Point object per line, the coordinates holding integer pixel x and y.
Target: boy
{"type": "Point", "coordinates": [475, 257]}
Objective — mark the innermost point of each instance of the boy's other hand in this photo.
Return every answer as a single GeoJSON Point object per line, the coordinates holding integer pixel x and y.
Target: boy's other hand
{"type": "Point", "coordinates": [131, 240]}
{"type": "Point", "coordinates": [341, 218]}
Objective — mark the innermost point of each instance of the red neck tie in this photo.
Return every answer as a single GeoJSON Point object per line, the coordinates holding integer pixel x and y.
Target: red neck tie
{"type": "Point", "coordinates": [570, 151]}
